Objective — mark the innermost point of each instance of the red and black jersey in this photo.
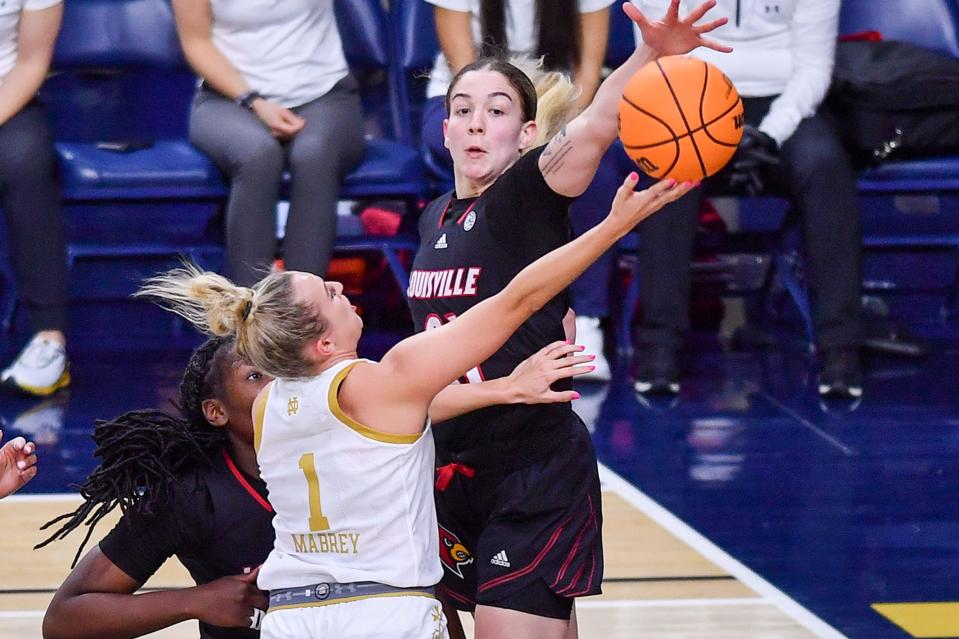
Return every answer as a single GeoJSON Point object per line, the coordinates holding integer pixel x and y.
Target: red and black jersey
{"type": "Point", "coordinates": [469, 250]}
{"type": "Point", "coordinates": [217, 522]}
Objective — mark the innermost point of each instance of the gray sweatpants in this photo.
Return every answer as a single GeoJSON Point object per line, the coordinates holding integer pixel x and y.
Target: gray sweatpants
{"type": "Point", "coordinates": [318, 156]}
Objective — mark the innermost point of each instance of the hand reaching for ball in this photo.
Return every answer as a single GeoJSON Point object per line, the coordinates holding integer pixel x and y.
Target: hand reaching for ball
{"type": "Point", "coordinates": [671, 35]}
{"type": "Point", "coordinates": [630, 207]}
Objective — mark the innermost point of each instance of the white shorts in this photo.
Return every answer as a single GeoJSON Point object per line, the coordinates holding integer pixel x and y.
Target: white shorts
{"type": "Point", "coordinates": [399, 617]}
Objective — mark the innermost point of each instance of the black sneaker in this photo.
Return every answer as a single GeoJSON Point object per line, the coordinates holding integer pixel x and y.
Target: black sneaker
{"type": "Point", "coordinates": [841, 375]}
{"type": "Point", "coordinates": [658, 371]}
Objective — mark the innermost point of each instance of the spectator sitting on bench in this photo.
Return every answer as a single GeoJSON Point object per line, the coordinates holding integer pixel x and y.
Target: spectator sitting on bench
{"type": "Point", "coordinates": [782, 60]}
{"type": "Point", "coordinates": [275, 91]}
{"type": "Point", "coordinates": [29, 194]}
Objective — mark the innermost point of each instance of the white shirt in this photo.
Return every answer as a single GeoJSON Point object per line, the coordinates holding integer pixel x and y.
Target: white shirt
{"type": "Point", "coordinates": [288, 50]}
{"type": "Point", "coordinates": [780, 47]}
{"type": "Point", "coordinates": [10, 29]}
{"type": "Point", "coordinates": [522, 32]}
{"type": "Point", "coordinates": [351, 503]}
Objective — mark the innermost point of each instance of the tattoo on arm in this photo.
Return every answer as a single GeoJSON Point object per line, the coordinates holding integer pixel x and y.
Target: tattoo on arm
{"type": "Point", "coordinates": [559, 147]}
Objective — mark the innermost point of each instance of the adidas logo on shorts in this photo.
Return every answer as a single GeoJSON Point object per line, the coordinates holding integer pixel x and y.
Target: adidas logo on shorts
{"type": "Point", "coordinates": [500, 559]}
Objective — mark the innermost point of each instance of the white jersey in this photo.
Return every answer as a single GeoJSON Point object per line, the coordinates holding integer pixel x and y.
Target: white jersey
{"type": "Point", "coordinates": [352, 503]}
{"type": "Point", "coordinates": [521, 31]}
{"type": "Point", "coordinates": [288, 50]}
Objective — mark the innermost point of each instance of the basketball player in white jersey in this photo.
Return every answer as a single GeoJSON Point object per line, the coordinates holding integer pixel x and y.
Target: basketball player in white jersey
{"type": "Point", "coordinates": [344, 444]}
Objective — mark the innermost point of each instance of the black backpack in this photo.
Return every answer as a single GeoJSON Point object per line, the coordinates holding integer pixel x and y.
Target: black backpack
{"type": "Point", "coordinates": [895, 100]}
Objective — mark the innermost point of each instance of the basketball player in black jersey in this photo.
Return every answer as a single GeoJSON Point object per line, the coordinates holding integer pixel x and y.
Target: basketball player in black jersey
{"type": "Point", "coordinates": [188, 487]}
{"type": "Point", "coordinates": [518, 496]}
{"type": "Point", "coordinates": [216, 518]}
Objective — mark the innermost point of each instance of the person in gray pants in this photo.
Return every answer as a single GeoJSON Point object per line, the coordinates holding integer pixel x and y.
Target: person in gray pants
{"type": "Point", "coordinates": [276, 92]}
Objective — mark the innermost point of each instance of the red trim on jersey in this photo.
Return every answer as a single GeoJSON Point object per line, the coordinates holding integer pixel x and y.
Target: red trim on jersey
{"type": "Point", "coordinates": [449, 205]}
{"type": "Point", "coordinates": [532, 566]}
{"type": "Point", "coordinates": [246, 485]}
{"type": "Point", "coordinates": [467, 211]}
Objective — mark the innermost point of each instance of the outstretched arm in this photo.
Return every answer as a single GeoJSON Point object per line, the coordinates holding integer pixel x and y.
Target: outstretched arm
{"type": "Point", "coordinates": [18, 461]}
{"type": "Point", "coordinates": [395, 394]}
{"type": "Point", "coordinates": [86, 605]}
{"type": "Point", "coordinates": [571, 157]}
{"type": "Point", "coordinates": [529, 383]}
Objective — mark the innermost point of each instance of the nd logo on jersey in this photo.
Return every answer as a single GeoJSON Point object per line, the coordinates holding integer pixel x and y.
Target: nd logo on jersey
{"type": "Point", "coordinates": [453, 553]}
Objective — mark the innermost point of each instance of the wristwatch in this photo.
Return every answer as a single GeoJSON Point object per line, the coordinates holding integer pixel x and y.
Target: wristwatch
{"type": "Point", "coordinates": [246, 100]}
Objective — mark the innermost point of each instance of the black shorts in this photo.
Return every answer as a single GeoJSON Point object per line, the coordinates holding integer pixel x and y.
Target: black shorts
{"type": "Point", "coordinates": [527, 539]}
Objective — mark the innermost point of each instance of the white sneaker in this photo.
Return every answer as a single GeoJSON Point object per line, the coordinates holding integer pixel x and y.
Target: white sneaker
{"type": "Point", "coordinates": [590, 335]}
{"type": "Point", "coordinates": [41, 369]}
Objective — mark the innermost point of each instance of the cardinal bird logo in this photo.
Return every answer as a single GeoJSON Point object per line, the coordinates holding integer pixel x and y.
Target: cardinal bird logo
{"type": "Point", "coordinates": [453, 553]}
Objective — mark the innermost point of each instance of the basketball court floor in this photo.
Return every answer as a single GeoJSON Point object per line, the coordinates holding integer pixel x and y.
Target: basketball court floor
{"type": "Point", "coordinates": [743, 508]}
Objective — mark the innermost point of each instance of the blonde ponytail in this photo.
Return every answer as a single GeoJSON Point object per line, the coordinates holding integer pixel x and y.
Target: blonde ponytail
{"type": "Point", "coordinates": [556, 97]}
{"type": "Point", "coordinates": [270, 327]}
{"type": "Point", "coordinates": [212, 303]}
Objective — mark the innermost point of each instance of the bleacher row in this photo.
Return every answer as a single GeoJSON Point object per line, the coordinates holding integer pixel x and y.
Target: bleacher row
{"type": "Point", "coordinates": [119, 76]}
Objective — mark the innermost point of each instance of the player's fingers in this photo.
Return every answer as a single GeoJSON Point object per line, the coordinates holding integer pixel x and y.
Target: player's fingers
{"type": "Point", "coordinates": [697, 13]}
{"type": "Point", "coordinates": [561, 396]}
{"type": "Point", "coordinates": [562, 354]}
{"type": "Point", "coordinates": [660, 188]}
{"type": "Point", "coordinates": [674, 194]}
{"type": "Point", "coordinates": [18, 443]}
{"type": "Point", "coordinates": [709, 26]}
{"type": "Point", "coordinates": [715, 46]}
{"type": "Point", "coordinates": [626, 188]}
{"type": "Point", "coordinates": [576, 360]}
{"type": "Point", "coordinates": [661, 198]}
{"type": "Point", "coordinates": [30, 448]}
{"type": "Point", "coordinates": [672, 14]}
{"type": "Point", "coordinates": [551, 349]}
{"type": "Point", "coordinates": [570, 371]}
{"type": "Point", "coordinates": [634, 14]}
{"type": "Point", "coordinates": [251, 576]}
{"type": "Point", "coordinates": [28, 474]}
{"type": "Point", "coordinates": [23, 464]}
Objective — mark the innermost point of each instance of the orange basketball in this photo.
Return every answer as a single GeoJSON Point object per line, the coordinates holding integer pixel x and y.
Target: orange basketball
{"type": "Point", "coordinates": [680, 118]}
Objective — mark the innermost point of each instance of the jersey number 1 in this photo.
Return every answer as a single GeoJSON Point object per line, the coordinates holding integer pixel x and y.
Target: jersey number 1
{"type": "Point", "coordinates": [317, 520]}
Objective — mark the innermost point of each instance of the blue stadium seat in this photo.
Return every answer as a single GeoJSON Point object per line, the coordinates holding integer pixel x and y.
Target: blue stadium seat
{"type": "Point", "coordinates": [124, 55]}
{"type": "Point", "coordinates": [392, 166]}
{"type": "Point", "coordinates": [414, 37]}
{"type": "Point", "coordinates": [119, 75]}
{"type": "Point", "coordinates": [930, 23]}
{"type": "Point", "coordinates": [933, 24]}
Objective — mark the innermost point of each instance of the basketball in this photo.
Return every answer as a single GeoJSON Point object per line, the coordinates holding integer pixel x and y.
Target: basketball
{"type": "Point", "coordinates": [680, 118]}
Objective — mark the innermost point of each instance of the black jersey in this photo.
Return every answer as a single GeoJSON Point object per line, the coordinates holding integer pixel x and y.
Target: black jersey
{"type": "Point", "coordinates": [217, 523]}
{"type": "Point", "coordinates": [469, 250]}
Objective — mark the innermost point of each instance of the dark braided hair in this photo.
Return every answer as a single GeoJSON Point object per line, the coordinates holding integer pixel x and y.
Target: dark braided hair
{"type": "Point", "coordinates": [143, 453]}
